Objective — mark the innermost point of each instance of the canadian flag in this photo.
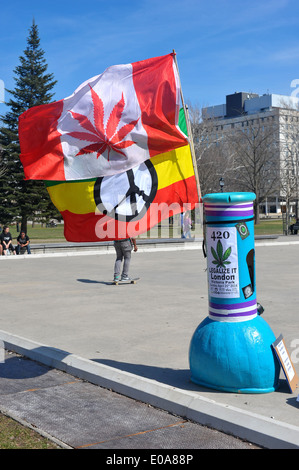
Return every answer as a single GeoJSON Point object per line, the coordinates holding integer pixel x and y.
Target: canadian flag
{"type": "Point", "coordinates": [110, 124]}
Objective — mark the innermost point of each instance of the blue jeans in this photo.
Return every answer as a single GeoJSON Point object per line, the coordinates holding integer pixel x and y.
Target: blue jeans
{"type": "Point", "coordinates": [123, 250]}
{"type": "Point", "coordinates": [19, 247]}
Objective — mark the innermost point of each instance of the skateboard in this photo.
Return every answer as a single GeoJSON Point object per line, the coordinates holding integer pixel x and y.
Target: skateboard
{"type": "Point", "coordinates": [129, 281]}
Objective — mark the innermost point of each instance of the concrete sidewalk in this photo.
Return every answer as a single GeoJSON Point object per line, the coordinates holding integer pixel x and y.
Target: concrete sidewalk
{"type": "Point", "coordinates": [134, 339]}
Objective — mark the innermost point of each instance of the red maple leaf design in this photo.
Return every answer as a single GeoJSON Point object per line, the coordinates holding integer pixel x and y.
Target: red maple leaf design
{"type": "Point", "coordinates": [100, 137]}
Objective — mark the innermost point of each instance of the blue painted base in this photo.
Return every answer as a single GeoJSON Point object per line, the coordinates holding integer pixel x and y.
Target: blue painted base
{"type": "Point", "coordinates": [234, 356]}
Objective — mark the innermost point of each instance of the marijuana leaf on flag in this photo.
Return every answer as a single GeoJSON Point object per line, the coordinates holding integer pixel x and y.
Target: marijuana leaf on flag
{"type": "Point", "coordinates": [110, 124]}
{"type": "Point", "coordinates": [103, 137]}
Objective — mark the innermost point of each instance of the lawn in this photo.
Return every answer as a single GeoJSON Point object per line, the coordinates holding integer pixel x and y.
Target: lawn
{"type": "Point", "coordinates": [42, 234]}
{"type": "Point", "coordinates": [269, 227]}
{"type": "Point", "coordinates": [14, 435]}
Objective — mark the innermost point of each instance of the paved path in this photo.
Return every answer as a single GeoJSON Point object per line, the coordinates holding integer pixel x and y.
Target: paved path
{"type": "Point", "coordinates": [80, 415]}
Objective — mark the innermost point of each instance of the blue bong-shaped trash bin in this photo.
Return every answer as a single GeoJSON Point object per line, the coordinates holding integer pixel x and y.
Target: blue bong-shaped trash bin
{"type": "Point", "coordinates": [231, 348]}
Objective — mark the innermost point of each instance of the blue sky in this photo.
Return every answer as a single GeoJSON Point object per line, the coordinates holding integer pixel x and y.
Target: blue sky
{"type": "Point", "coordinates": [222, 46]}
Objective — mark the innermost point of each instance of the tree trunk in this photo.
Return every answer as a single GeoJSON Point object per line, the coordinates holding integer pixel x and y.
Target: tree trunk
{"type": "Point", "coordinates": [256, 212]}
{"type": "Point", "coordinates": [24, 224]}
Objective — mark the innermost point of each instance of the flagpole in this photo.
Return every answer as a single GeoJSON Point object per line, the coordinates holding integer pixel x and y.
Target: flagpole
{"type": "Point", "coordinates": [189, 130]}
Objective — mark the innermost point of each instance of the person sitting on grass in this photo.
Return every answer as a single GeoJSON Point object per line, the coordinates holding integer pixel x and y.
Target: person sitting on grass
{"type": "Point", "coordinates": [23, 242]}
{"type": "Point", "coordinates": [6, 241]}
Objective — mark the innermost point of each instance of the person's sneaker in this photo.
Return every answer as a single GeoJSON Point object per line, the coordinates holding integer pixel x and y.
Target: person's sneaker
{"type": "Point", "coordinates": [116, 278]}
{"type": "Point", "coordinates": [125, 278]}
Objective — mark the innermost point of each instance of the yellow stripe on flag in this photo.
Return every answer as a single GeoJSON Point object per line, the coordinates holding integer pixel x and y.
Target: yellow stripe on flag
{"type": "Point", "coordinates": [173, 166]}
{"type": "Point", "coordinates": [75, 197]}
{"type": "Point", "coordinates": [78, 198]}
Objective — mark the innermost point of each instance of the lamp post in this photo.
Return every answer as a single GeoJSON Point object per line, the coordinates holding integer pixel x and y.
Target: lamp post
{"type": "Point", "coordinates": [221, 184]}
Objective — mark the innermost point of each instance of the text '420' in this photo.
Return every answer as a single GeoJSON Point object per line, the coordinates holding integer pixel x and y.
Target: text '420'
{"type": "Point", "coordinates": [218, 235]}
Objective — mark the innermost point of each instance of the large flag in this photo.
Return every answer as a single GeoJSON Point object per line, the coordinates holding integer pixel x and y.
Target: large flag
{"type": "Point", "coordinates": [110, 124]}
{"type": "Point", "coordinates": [127, 204]}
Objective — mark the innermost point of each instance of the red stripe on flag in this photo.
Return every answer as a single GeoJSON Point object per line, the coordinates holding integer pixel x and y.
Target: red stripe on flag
{"type": "Point", "coordinates": [41, 150]}
{"type": "Point", "coordinates": [168, 202]}
{"type": "Point", "coordinates": [155, 86]}
{"type": "Point", "coordinates": [181, 192]}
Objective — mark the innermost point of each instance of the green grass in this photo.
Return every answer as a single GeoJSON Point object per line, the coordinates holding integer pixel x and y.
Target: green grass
{"type": "Point", "coordinates": [39, 234]}
{"type": "Point", "coordinates": [14, 435]}
{"type": "Point", "coordinates": [269, 227]}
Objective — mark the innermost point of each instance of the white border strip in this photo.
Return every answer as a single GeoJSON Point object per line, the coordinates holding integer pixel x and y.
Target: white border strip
{"type": "Point", "coordinates": [227, 312]}
{"type": "Point", "coordinates": [232, 319]}
{"type": "Point", "coordinates": [227, 315]}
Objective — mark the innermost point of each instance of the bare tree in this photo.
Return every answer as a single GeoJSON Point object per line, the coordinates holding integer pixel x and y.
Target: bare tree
{"type": "Point", "coordinates": [244, 152]}
{"type": "Point", "coordinates": [212, 155]}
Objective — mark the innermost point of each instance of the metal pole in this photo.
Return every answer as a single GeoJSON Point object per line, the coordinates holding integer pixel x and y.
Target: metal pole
{"type": "Point", "coordinates": [189, 130]}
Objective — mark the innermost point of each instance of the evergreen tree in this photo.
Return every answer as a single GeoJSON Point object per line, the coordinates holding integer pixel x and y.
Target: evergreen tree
{"type": "Point", "coordinates": [21, 200]}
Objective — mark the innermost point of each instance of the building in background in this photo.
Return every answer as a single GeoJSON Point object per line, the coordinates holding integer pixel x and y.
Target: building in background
{"type": "Point", "coordinates": [242, 110]}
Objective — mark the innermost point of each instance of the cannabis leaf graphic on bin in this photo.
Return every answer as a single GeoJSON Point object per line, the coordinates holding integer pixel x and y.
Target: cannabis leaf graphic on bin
{"type": "Point", "coordinates": [220, 257]}
{"type": "Point", "coordinates": [103, 137]}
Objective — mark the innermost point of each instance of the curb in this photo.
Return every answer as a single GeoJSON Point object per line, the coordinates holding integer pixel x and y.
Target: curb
{"type": "Point", "coordinates": [260, 430]}
{"type": "Point", "coordinates": [147, 249]}
{"type": "Point", "coordinates": [108, 251]}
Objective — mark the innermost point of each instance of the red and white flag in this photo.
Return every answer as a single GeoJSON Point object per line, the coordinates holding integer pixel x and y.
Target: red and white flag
{"type": "Point", "coordinates": [110, 124]}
